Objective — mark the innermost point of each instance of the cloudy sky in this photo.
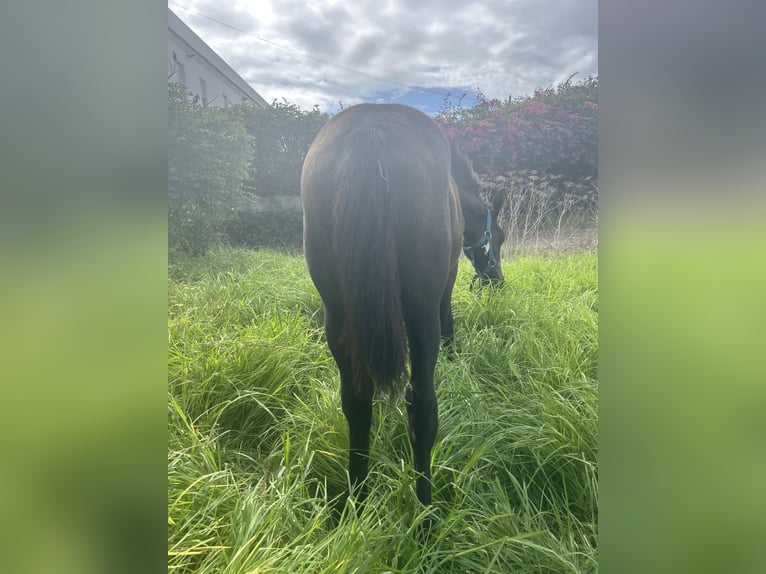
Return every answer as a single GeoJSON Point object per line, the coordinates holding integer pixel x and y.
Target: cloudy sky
{"type": "Point", "coordinates": [322, 52]}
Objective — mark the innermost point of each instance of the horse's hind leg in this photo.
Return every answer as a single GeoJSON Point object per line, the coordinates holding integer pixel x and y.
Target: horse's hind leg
{"type": "Point", "coordinates": [445, 316]}
{"type": "Point", "coordinates": [358, 410]}
{"type": "Point", "coordinates": [423, 333]}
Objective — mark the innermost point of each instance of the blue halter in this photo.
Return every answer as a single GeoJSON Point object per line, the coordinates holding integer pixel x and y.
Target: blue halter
{"type": "Point", "coordinates": [485, 242]}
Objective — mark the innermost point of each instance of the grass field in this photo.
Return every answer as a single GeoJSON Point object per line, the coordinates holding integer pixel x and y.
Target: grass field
{"type": "Point", "coordinates": [257, 439]}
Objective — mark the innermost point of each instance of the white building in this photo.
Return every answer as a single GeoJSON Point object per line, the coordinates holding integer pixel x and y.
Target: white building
{"type": "Point", "coordinates": [194, 64]}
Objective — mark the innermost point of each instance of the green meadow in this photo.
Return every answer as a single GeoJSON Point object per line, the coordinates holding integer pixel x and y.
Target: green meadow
{"type": "Point", "coordinates": [257, 440]}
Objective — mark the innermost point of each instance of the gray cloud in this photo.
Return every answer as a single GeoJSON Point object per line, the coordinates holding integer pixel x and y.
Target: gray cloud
{"type": "Point", "coordinates": [503, 46]}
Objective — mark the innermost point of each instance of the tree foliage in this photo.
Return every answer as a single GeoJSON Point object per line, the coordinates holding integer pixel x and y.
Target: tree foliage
{"type": "Point", "coordinates": [209, 153]}
{"type": "Point", "coordinates": [282, 134]}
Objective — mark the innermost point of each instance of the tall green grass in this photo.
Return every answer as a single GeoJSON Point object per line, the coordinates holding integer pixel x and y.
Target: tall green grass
{"type": "Point", "coordinates": [257, 439]}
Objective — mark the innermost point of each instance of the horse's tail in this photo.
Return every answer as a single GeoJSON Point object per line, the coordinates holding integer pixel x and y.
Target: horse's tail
{"type": "Point", "coordinates": [365, 247]}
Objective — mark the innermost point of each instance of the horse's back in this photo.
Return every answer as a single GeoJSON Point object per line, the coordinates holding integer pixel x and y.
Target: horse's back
{"type": "Point", "coordinates": [404, 142]}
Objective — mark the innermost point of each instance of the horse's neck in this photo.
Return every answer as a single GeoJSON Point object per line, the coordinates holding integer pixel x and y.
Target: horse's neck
{"type": "Point", "coordinates": [472, 205]}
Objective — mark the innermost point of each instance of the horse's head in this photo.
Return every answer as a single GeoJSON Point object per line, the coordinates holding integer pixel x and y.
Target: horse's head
{"type": "Point", "coordinates": [484, 252]}
{"type": "Point", "coordinates": [482, 235]}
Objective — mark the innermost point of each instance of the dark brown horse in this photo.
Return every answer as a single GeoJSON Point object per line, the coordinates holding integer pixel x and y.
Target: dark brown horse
{"type": "Point", "coordinates": [388, 204]}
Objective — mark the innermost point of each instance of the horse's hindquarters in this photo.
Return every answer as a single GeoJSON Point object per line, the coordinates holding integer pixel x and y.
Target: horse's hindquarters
{"type": "Point", "coordinates": [381, 243]}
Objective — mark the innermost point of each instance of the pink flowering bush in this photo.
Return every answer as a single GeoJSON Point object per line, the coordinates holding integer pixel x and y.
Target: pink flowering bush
{"type": "Point", "coordinates": [554, 131]}
{"type": "Point", "coordinates": [539, 153]}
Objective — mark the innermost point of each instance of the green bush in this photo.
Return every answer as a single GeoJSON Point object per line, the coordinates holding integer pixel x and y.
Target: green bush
{"type": "Point", "coordinates": [209, 152]}
{"type": "Point", "coordinates": [282, 134]}
{"type": "Point", "coordinates": [219, 158]}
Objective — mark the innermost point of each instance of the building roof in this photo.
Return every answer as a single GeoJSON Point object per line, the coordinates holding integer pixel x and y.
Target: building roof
{"type": "Point", "coordinates": [184, 33]}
